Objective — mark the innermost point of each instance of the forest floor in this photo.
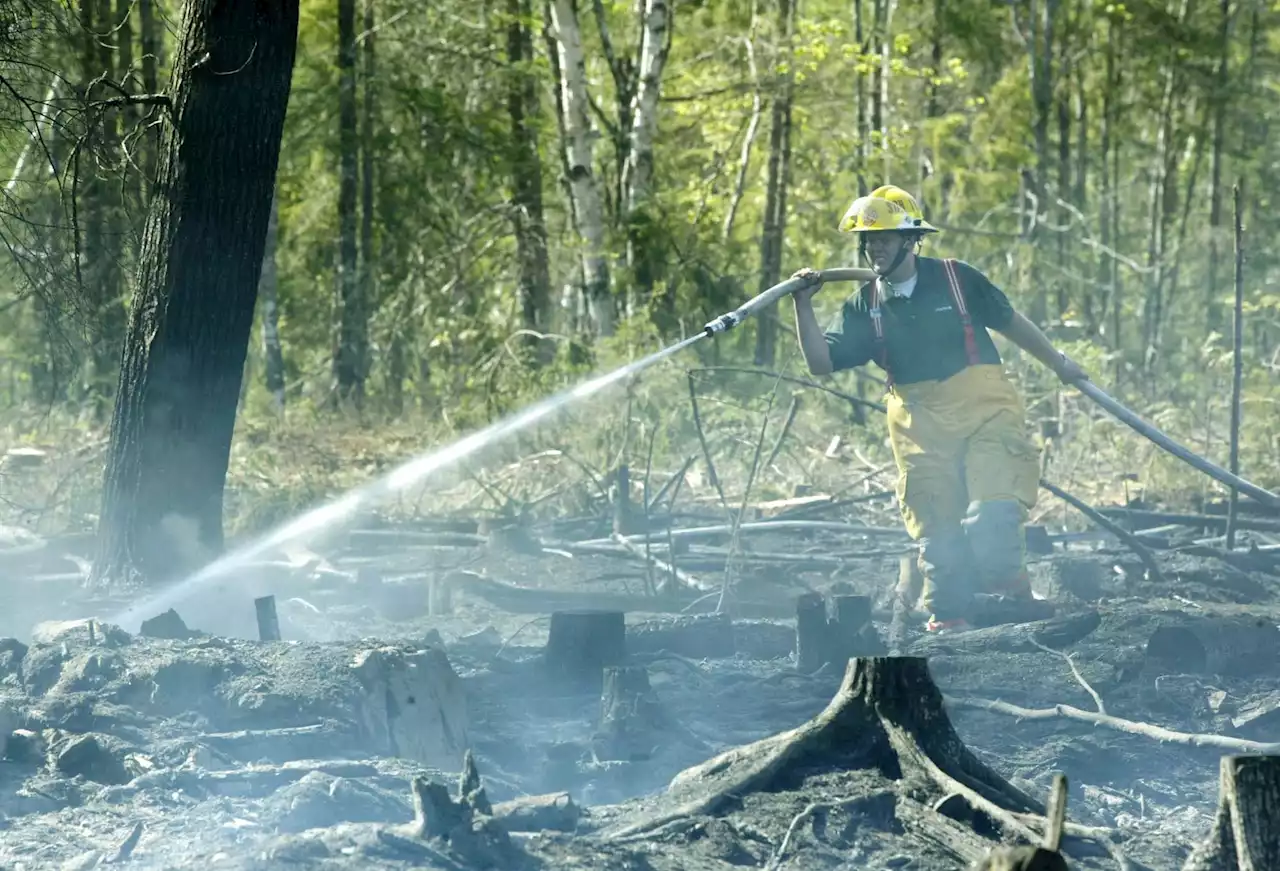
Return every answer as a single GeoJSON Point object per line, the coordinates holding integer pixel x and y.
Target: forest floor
{"type": "Point", "coordinates": [224, 752]}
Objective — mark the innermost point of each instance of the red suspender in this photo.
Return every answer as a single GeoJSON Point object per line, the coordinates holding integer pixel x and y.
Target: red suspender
{"type": "Point", "coordinates": [970, 342]}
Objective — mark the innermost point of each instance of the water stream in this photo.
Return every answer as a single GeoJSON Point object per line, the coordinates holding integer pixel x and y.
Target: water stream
{"type": "Point", "coordinates": [411, 472]}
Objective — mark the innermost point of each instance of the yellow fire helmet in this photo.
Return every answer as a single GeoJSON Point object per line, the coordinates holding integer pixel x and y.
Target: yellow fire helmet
{"type": "Point", "coordinates": [886, 208]}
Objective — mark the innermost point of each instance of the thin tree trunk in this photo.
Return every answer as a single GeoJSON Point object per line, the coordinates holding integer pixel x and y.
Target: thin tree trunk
{"type": "Point", "coordinates": [268, 292]}
{"type": "Point", "coordinates": [1064, 165]}
{"type": "Point", "coordinates": [1159, 208]}
{"type": "Point", "coordinates": [351, 333]}
{"type": "Point", "coordinates": [190, 323]}
{"type": "Point", "coordinates": [1088, 303]}
{"type": "Point", "coordinates": [753, 130]}
{"type": "Point", "coordinates": [368, 257]}
{"type": "Point", "coordinates": [775, 217]}
{"type": "Point", "coordinates": [1213, 306]}
{"type": "Point", "coordinates": [586, 193]}
{"type": "Point", "coordinates": [149, 141]}
{"type": "Point", "coordinates": [862, 116]}
{"type": "Point", "coordinates": [882, 83]}
{"type": "Point", "coordinates": [875, 122]}
{"type": "Point", "coordinates": [655, 43]}
{"type": "Point", "coordinates": [1040, 48]}
{"type": "Point", "coordinates": [526, 177]}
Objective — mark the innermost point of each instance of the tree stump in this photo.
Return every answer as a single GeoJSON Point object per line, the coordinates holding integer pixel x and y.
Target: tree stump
{"type": "Point", "coordinates": [1244, 835]}
{"type": "Point", "coordinates": [888, 716]}
{"type": "Point", "coordinates": [631, 719]}
{"type": "Point", "coordinates": [812, 645]}
{"type": "Point", "coordinates": [582, 644]}
{"type": "Point", "coordinates": [822, 639]}
{"type": "Point", "coordinates": [850, 631]}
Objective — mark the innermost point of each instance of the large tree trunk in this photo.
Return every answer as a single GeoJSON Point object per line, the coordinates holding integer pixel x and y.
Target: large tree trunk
{"type": "Point", "coordinates": [775, 209]}
{"type": "Point", "coordinates": [526, 176]}
{"type": "Point", "coordinates": [655, 44]}
{"type": "Point", "coordinates": [582, 180]}
{"type": "Point", "coordinates": [190, 322]}
{"type": "Point", "coordinates": [352, 334]}
{"type": "Point", "coordinates": [268, 285]}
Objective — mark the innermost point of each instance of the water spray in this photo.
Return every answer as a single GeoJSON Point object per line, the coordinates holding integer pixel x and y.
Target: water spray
{"type": "Point", "coordinates": [419, 469]}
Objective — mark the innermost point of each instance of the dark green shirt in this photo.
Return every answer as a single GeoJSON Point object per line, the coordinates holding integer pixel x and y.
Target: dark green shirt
{"type": "Point", "coordinates": [924, 337]}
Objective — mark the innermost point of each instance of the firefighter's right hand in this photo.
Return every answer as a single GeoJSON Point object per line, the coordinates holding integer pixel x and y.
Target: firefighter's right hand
{"type": "Point", "coordinates": [814, 279]}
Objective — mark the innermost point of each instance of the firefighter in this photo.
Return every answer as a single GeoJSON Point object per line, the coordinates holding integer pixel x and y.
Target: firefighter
{"type": "Point", "coordinates": [967, 471]}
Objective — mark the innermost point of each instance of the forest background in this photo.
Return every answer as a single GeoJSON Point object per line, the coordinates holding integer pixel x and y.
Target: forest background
{"type": "Point", "coordinates": [482, 202]}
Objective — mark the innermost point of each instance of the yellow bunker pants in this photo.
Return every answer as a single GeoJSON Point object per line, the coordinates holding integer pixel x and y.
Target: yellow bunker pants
{"type": "Point", "coordinates": [967, 474]}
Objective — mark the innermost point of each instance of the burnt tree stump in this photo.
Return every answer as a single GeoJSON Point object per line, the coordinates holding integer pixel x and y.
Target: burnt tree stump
{"type": "Point", "coordinates": [812, 646]}
{"type": "Point", "coordinates": [631, 718]}
{"type": "Point", "coordinates": [886, 719]}
{"type": "Point", "coordinates": [582, 644]}
{"type": "Point", "coordinates": [1244, 835]}
{"type": "Point", "coordinates": [845, 633]}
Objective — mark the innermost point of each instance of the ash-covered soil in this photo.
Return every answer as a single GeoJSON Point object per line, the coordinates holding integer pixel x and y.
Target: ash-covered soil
{"type": "Point", "coordinates": [217, 751]}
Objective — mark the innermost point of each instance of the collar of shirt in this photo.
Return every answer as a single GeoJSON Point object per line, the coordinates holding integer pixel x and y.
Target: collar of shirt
{"type": "Point", "coordinates": [904, 289]}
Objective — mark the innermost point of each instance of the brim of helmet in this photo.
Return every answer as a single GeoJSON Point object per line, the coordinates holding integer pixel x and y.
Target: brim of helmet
{"type": "Point", "coordinates": [923, 228]}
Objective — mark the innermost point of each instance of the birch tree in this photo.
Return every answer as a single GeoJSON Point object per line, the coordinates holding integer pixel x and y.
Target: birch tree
{"type": "Point", "coordinates": [579, 139]}
{"type": "Point", "coordinates": [655, 44]}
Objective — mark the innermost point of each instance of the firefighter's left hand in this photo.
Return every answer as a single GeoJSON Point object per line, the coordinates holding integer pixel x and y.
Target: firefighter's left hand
{"type": "Point", "coordinates": [1069, 371]}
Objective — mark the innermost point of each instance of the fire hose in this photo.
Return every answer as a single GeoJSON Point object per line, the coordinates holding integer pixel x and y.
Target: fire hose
{"type": "Point", "coordinates": [757, 303]}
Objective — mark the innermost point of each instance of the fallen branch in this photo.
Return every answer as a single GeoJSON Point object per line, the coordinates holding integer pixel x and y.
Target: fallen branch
{"type": "Point", "coordinates": [1216, 522]}
{"type": "Point", "coordinates": [1119, 532]}
{"type": "Point", "coordinates": [1097, 699]}
{"type": "Point", "coordinates": [646, 554]}
{"type": "Point", "coordinates": [769, 526]}
{"type": "Point", "coordinates": [1146, 730]}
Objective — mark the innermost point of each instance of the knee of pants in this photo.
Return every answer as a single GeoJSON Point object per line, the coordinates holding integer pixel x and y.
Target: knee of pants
{"type": "Point", "coordinates": [994, 531]}
{"type": "Point", "coordinates": [946, 554]}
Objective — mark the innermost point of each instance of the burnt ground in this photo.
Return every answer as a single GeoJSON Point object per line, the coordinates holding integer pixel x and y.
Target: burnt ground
{"type": "Point", "coordinates": [215, 751]}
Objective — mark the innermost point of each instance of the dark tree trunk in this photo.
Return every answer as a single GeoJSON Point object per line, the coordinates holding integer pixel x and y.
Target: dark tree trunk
{"type": "Point", "coordinates": [190, 322]}
{"type": "Point", "coordinates": [351, 339]}
{"type": "Point", "coordinates": [526, 175]}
